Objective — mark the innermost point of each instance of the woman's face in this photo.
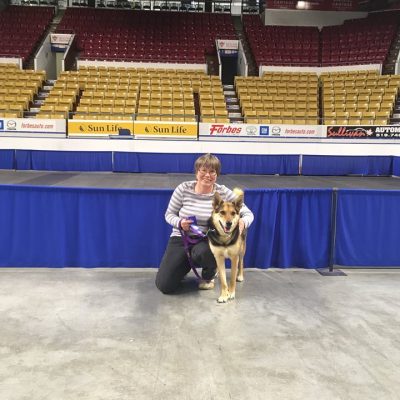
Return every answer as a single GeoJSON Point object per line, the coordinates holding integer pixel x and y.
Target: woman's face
{"type": "Point", "coordinates": [206, 176]}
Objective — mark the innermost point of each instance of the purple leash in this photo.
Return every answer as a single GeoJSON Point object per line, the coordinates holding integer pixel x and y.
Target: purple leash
{"type": "Point", "coordinates": [189, 242]}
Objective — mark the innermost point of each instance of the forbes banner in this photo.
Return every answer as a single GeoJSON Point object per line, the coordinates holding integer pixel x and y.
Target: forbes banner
{"type": "Point", "coordinates": [260, 131]}
{"type": "Point", "coordinates": [363, 132]}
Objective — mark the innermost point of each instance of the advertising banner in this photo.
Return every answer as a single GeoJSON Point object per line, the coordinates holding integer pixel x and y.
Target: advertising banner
{"type": "Point", "coordinates": [99, 128]}
{"type": "Point", "coordinates": [260, 131]}
{"type": "Point", "coordinates": [229, 130]}
{"type": "Point", "coordinates": [60, 38]}
{"type": "Point", "coordinates": [30, 127]}
{"type": "Point", "coordinates": [363, 132]}
{"type": "Point", "coordinates": [305, 131]}
{"type": "Point", "coordinates": [228, 44]}
{"type": "Point", "coordinates": [60, 41]}
{"type": "Point", "coordinates": [155, 129]}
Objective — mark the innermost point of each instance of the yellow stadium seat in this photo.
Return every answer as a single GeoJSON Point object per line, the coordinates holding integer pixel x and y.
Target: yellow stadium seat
{"type": "Point", "coordinates": [208, 119]}
{"type": "Point", "coordinates": [366, 121]}
{"type": "Point", "coordinates": [108, 102]}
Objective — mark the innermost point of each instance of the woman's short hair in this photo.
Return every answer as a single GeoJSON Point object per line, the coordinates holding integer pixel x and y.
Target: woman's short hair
{"type": "Point", "coordinates": [208, 161]}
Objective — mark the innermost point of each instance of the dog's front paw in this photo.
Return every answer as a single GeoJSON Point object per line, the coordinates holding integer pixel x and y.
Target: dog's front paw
{"type": "Point", "coordinates": [240, 278]}
{"type": "Point", "coordinates": [223, 298]}
{"type": "Point", "coordinates": [231, 295]}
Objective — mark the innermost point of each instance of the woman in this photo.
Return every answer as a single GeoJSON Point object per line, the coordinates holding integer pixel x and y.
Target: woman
{"type": "Point", "coordinates": [194, 198]}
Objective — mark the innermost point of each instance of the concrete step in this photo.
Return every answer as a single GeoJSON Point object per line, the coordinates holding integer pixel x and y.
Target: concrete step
{"type": "Point", "coordinates": [32, 111]}
{"type": "Point", "coordinates": [42, 96]}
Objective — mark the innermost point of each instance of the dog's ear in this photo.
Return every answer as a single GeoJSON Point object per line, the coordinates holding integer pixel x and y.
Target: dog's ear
{"type": "Point", "coordinates": [217, 201]}
{"type": "Point", "coordinates": [238, 202]}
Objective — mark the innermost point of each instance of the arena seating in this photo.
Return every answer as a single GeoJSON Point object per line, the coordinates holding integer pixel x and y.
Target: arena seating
{"type": "Point", "coordinates": [358, 98]}
{"type": "Point", "coordinates": [15, 39]}
{"type": "Point", "coordinates": [17, 89]}
{"type": "Point", "coordinates": [146, 36]}
{"type": "Point", "coordinates": [348, 98]}
{"type": "Point", "coordinates": [212, 101]}
{"type": "Point", "coordinates": [361, 41]}
{"type": "Point", "coordinates": [282, 45]}
{"type": "Point", "coordinates": [119, 93]}
{"type": "Point", "coordinates": [279, 98]}
{"type": "Point", "coordinates": [61, 99]}
{"type": "Point", "coordinates": [168, 96]}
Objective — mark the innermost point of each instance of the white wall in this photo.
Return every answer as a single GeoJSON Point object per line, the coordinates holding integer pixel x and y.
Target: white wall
{"type": "Point", "coordinates": [320, 70]}
{"type": "Point", "coordinates": [122, 64]}
{"type": "Point", "coordinates": [11, 60]}
{"type": "Point", "coordinates": [309, 18]}
{"type": "Point", "coordinates": [344, 147]}
{"type": "Point", "coordinates": [243, 67]}
{"type": "Point", "coordinates": [45, 59]}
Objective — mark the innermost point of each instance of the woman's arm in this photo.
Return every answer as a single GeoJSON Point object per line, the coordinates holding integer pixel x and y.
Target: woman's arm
{"type": "Point", "coordinates": [174, 206]}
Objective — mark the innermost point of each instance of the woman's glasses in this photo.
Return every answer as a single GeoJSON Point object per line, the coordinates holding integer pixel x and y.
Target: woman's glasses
{"type": "Point", "coordinates": [204, 172]}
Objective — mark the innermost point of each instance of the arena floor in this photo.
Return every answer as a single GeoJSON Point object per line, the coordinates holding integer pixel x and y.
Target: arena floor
{"type": "Point", "coordinates": [109, 334]}
{"type": "Point", "coordinates": [135, 180]}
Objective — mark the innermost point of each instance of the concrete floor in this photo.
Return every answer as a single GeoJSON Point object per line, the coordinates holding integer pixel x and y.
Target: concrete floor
{"type": "Point", "coordinates": [142, 180]}
{"type": "Point", "coordinates": [108, 334]}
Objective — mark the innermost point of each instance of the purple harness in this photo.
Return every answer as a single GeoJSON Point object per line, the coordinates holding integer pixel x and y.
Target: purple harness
{"type": "Point", "coordinates": [189, 242]}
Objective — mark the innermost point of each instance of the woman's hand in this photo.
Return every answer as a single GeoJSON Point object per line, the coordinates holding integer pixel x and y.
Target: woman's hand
{"type": "Point", "coordinates": [241, 226]}
{"type": "Point", "coordinates": [185, 224]}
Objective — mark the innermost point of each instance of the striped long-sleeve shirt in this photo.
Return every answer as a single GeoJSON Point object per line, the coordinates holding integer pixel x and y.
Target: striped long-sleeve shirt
{"type": "Point", "coordinates": [185, 202]}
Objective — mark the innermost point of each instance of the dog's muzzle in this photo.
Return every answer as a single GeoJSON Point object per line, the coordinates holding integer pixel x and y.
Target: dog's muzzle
{"type": "Point", "coordinates": [227, 226]}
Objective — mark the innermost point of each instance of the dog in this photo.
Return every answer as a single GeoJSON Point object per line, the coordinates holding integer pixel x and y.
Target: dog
{"type": "Point", "coordinates": [227, 242]}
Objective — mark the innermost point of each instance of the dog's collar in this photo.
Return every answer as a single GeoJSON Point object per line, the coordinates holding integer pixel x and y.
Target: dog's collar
{"type": "Point", "coordinates": [224, 239]}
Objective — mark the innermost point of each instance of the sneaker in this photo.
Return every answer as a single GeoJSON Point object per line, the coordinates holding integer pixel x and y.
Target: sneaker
{"type": "Point", "coordinates": [206, 285]}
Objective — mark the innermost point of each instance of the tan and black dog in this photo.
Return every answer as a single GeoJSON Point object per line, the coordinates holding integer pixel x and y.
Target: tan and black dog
{"type": "Point", "coordinates": [227, 242]}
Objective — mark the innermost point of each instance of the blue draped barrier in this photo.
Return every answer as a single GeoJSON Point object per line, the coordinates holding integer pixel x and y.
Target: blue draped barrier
{"type": "Point", "coordinates": [396, 166]}
{"type": "Point", "coordinates": [82, 227]}
{"type": "Point", "coordinates": [63, 160]}
{"type": "Point", "coordinates": [368, 224]}
{"type": "Point", "coordinates": [154, 162]}
{"type": "Point", "coordinates": [7, 159]}
{"type": "Point", "coordinates": [260, 164]}
{"type": "Point", "coordinates": [291, 228]}
{"type": "Point", "coordinates": [73, 227]}
{"type": "Point", "coordinates": [183, 163]}
{"type": "Point", "coordinates": [347, 165]}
